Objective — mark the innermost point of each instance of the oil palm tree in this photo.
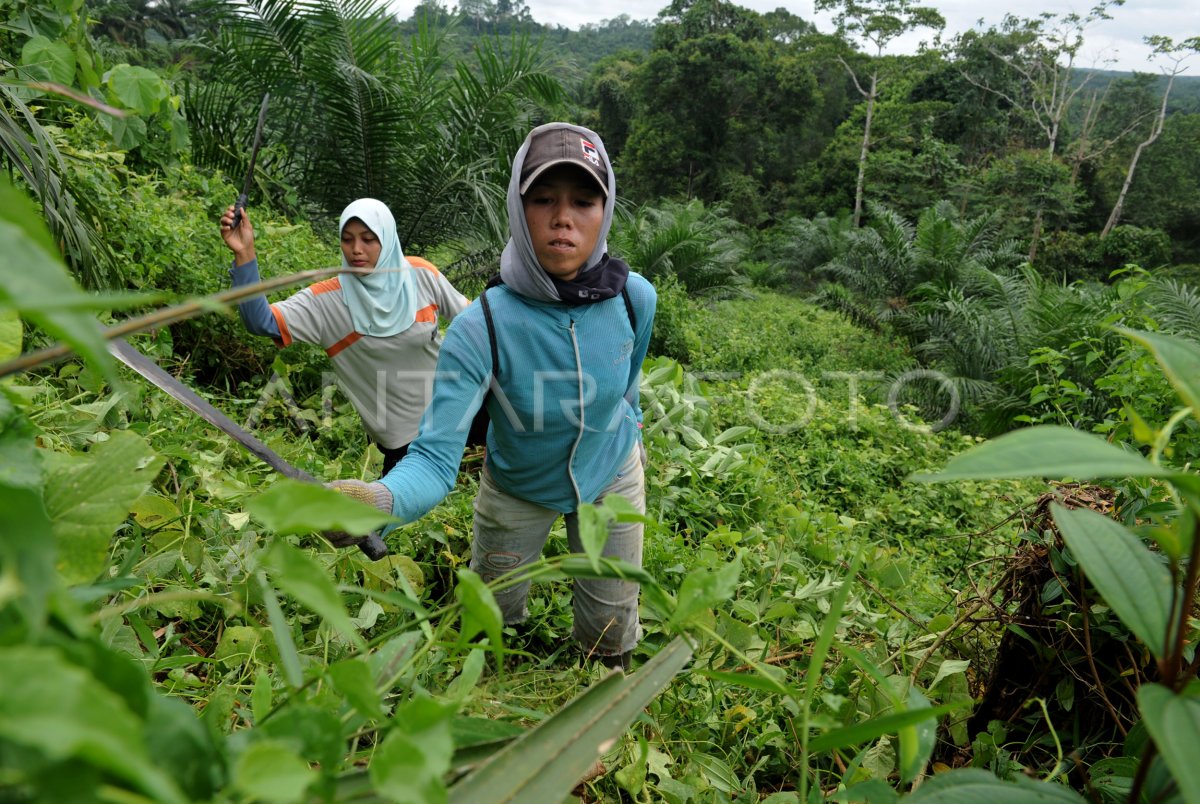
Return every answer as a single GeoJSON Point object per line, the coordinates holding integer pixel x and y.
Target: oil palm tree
{"type": "Point", "coordinates": [700, 247]}
{"type": "Point", "coordinates": [28, 150]}
{"type": "Point", "coordinates": [359, 111]}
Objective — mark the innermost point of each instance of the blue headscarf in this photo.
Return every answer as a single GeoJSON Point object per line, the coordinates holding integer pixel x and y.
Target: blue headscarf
{"type": "Point", "coordinates": [384, 301]}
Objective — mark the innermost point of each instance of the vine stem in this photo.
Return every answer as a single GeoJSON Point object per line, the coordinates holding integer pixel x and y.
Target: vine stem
{"type": "Point", "coordinates": [167, 315]}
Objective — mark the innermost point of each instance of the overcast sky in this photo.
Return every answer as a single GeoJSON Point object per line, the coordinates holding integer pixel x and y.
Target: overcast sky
{"type": "Point", "coordinates": [1119, 39]}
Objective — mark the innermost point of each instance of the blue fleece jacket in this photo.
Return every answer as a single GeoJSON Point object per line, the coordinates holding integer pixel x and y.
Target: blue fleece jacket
{"type": "Point", "coordinates": [543, 445]}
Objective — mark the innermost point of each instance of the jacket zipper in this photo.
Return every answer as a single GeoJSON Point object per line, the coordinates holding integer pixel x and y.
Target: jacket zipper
{"type": "Point", "coordinates": [579, 437]}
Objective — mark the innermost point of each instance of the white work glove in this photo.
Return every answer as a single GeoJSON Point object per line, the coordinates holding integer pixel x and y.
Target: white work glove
{"type": "Point", "coordinates": [374, 494]}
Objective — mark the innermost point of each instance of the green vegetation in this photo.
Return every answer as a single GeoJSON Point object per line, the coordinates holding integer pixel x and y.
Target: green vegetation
{"type": "Point", "coordinates": [849, 592]}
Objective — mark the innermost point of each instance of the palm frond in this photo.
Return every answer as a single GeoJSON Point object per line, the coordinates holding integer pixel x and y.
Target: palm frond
{"type": "Point", "coordinates": [1175, 305]}
{"type": "Point", "coordinates": [33, 154]}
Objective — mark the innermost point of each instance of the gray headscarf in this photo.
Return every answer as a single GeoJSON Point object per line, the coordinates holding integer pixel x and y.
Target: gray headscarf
{"type": "Point", "coordinates": [519, 266]}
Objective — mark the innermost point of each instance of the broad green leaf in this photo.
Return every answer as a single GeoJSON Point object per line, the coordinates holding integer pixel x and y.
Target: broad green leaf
{"type": "Point", "coordinates": [546, 763]}
{"type": "Point", "coordinates": [1180, 360]}
{"type": "Point", "coordinates": [461, 686]}
{"type": "Point", "coordinates": [50, 59]}
{"type": "Point", "coordinates": [390, 659]}
{"type": "Point", "coordinates": [34, 281]}
{"type": "Point", "coordinates": [752, 682]}
{"type": "Point", "coordinates": [1113, 777]}
{"type": "Point", "coordinates": [137, 88]}
{"type": "Point", "coordinates": [27, 550]}
{"type": "Point", "coordinates": [477, 739]}
{"type": "Point", "coordinates": [593, 533]}
{"type": "Point", "coordinates": [948, 668]}
{"type": "Point", "coordinates": [1046, 451]}
{"type": "Point", "coordinates": [916, 738]}
{"type": "Point", "coordinates": [975, 786]}
{"type": "Point", "coordinates": [289, 657]}
{"type": "Point", "coordinates": [872, 791]}
{"type": "Point", "coordinates": [1134, 583]}
{"type": "Point", "coordinates": [127, 132]}
{"type": "Point", "coordinates": [353, 678]}
{"type": "Point", "coordinates": [632, 777]}
{"type": "Point", "coordinates": [410, 764]}
{"type": "Point", "coordinates": [88, 496]}
{"type": "Point", "coordinates": [622, 510]}
{"type": "Point", "coordinates": [240, 644]}
{"type": "Point", "coordinates": [1174, 723]}
{"type": "Point", "coordinates": [261, 695]}
{"type": "Point", "coordinates": [313, 732]}
{"type": "Point", "coordinates": [304, 579]}
{"type": "Point", "coordinates": [732, 433]}
{"type": "Point", "coordinates": [717, 772]}
{"type": "Point", "coordinates": [386, 570]}
{"type": "Point", "coordinates": [470, 731]}
{"type": "Point", "coordinates": [27, 554]}
{"type": "Point", "coordinates": [877, 727]}
{"type": "Point", "coordinates": [10, 335]}
{"type": "Point", "coordinates": [61, 712]}
{"type": "Point", "coordinates": [703, 589]}
{"type": "Point", "coordinates": [182, 746]}
{"type": "Point", "coordinates": [292, 508]}
{"type": "Point", "coordinates": [270, 771]}
{"type": "Point", "coordinates": [480, 613]}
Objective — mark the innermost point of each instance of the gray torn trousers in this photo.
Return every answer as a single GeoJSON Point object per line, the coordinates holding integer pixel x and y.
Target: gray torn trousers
{"type": "Point", "coordinates": [510, 533]}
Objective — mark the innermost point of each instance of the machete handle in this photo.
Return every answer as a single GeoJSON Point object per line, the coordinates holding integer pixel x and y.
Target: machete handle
{"type": "Point", "coordinates": [373, 547]}
{"type": "Point", "coordinates": [238, 206]}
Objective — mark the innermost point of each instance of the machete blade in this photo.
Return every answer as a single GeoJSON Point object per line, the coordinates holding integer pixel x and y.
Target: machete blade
{"type": "Point", "coordinates": [240, 204]}
{"type": "Point", "coordinates": [372, 545]}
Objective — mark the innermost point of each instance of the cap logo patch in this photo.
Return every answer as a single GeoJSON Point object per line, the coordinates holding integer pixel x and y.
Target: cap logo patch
{"type": "Point", "coordinates": [589, 152]}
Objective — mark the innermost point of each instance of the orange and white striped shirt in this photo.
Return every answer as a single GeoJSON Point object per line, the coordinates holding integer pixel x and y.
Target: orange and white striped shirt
{"type": "Point", "coordinates": [388, 380]}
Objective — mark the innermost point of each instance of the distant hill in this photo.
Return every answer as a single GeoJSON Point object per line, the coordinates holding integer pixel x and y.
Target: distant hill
{"type": "Point", "coordinates": [1185, 94]}
{"type": "Point", "coordinates": [578, 50]}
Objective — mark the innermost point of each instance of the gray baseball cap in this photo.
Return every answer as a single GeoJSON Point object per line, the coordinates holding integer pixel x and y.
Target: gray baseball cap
{"type": "Point", "coordinates": [562, 146]}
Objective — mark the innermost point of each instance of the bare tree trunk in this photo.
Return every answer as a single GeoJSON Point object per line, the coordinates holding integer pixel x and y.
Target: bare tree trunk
{"type": "Point", "coordinates": [1115, 215]}
{"type": "Point", "coordinates": [1085, 133]}
{"type": "Point", "coordinates": [1036, 236]}
{"type": "Point", "coordinates": [862, 154]}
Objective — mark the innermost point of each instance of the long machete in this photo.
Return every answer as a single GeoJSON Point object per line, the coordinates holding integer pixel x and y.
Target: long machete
{"type": "Point", "coordinates": [372, 545]}
{"type": "Point", "coordinates": [240, 204]}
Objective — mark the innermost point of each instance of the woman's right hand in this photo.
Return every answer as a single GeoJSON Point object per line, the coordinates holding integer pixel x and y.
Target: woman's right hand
{"type": "Point", "coordinates": [240, 240]}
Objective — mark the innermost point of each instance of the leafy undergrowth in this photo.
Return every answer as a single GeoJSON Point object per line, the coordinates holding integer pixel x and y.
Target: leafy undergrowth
{"type": "Point", "coordinates": [765, 515]}
{"type": "Point", "coordinates": [174, 630]}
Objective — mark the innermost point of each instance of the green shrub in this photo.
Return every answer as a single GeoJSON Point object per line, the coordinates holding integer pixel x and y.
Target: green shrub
{"type": "Point", "coordinates": [1072, 256]}
{"type": "Point", "coordinates": [163, 231]}
{"type": "Point", "coordinates": [674, 334]}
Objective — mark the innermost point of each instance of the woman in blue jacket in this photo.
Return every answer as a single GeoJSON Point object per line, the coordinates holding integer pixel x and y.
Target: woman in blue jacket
{"type": "Point", "coordinates": [572, 326]}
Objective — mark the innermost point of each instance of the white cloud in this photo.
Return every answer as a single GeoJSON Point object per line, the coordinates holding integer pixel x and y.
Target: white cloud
{"type": "Point", "coordinates": [1118, 39]}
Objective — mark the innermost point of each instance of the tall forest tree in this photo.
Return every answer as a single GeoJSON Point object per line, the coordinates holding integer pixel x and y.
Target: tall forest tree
{"type": "Point", "coordinates": [878, 23]}
{"type": "Point", "coordinates": [1176, 54]}
{"type": "Point", "coordinates": [719, 105]}
{"type": "Point", "coordinates": [1038, 73]}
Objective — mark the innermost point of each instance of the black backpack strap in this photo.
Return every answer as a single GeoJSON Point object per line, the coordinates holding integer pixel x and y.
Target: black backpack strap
{"type": "Point", "coordinates": [629, 309]}
{"type": "Point", "coordinates": [491, 330]}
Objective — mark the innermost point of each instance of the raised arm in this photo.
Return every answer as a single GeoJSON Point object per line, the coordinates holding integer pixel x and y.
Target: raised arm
{"type": "Point", "coordinates": [255, 313]}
